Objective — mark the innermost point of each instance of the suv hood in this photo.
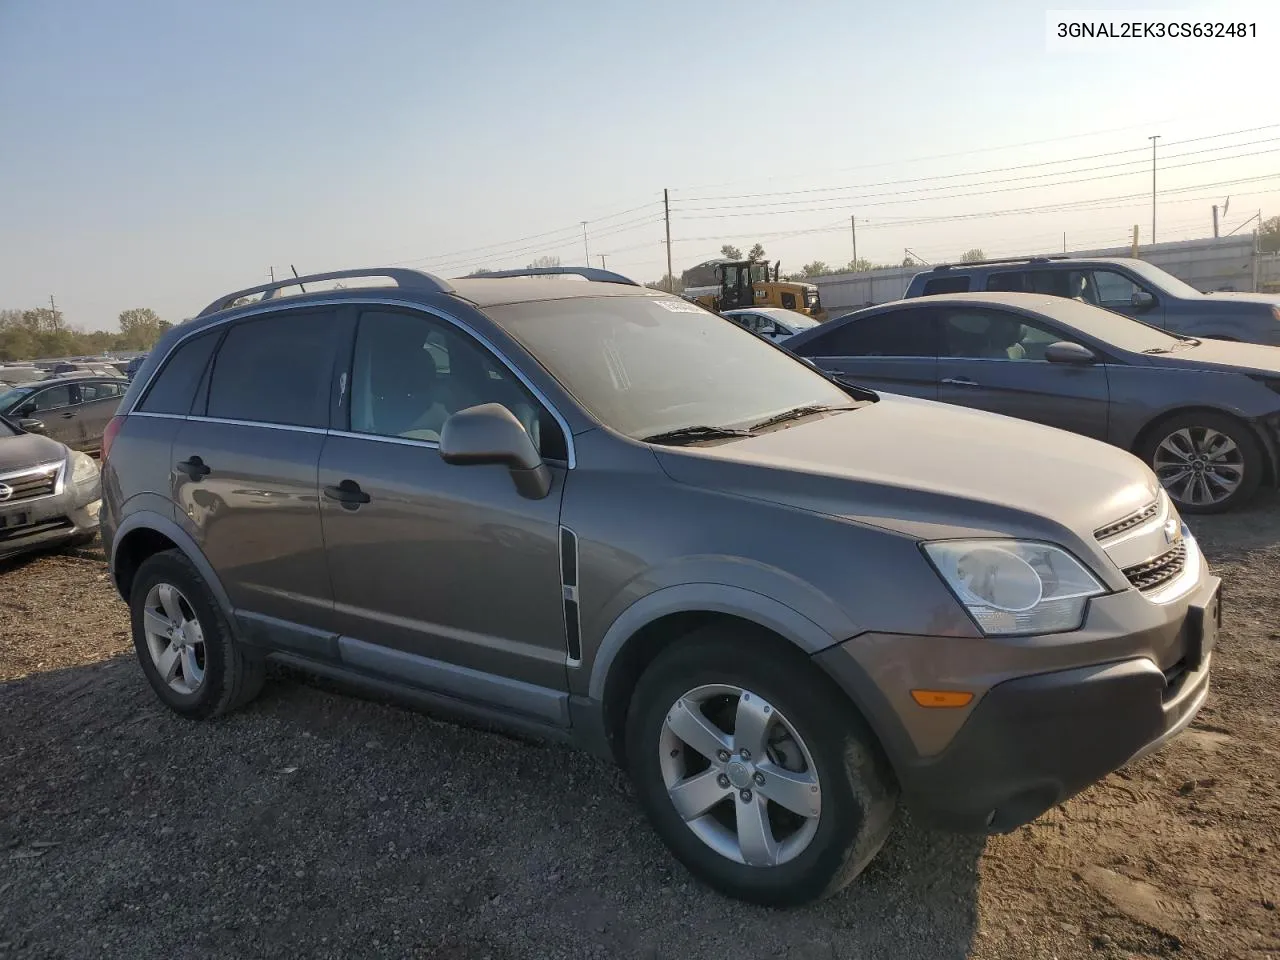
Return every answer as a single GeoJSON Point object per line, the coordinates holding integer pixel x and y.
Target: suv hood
{"type": "Point", "coordinates": [929, 470]}
{"type": "Point", "coordinates": [1270, 300]}
{"type": "Point", "coordinates": [28, 449]}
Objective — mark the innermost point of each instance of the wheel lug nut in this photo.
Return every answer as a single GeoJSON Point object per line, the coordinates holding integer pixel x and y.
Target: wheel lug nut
{"type": "Point", "coordinates": [746, 796]}
{"type": "Point", "coordinates": [723, 756]}
{"type": "Point", "coordinates": [759, 779]}
{"type": "Point", "coordinates": [722, 780]}
{"type": "Point", "coordinates": [744, 753]}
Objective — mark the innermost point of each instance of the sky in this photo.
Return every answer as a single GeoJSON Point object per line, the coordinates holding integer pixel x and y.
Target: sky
{"type": "Point", "coordinates": [162, 153]}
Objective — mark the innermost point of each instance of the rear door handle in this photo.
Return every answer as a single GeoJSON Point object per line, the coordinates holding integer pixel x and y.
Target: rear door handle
{"type": "Point", "coordinates": [960, 382]}
{"type": "Point", "coordinates": [193, 467]}
{"type": "Point", "coordinates": [347, 493]}
{"type": "Point", "coordinates": [68, 415]}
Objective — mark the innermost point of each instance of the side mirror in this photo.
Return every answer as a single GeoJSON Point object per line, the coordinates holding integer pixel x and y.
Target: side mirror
{"type": "Point", "coordinates": [1065, 352]}
{"type": "Point", "coordinates": [31, 426]}
{"type": "Point", "coordinates": [490, 434]}
{"type": "Point", "coordinates": [1141, 300]}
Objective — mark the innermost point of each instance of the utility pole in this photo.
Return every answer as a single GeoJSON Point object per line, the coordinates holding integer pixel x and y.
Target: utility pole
{"type": "Point", "coordinates": [666, 209]}
{"type": "Point", "coordinates": [272, 272]}
{"type": "Point", "coordinates": [603, 266]}
{"type": "Point", "coordinates": [584, 243]}
{"type": "Point", "coordinates": [1064, 241]}
{"type": "Point", "coordinates": [53, 308]}
{"type": "Point", "coordinates": [1153, 188]}
{"type": "Point", "coordinates": [1215, 221]}
{"type": "Point", "coordinates": [853, 227]}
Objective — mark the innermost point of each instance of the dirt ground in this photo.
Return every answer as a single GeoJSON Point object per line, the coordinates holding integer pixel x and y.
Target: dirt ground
{"type": "Point", "coordinates": [315, 824]}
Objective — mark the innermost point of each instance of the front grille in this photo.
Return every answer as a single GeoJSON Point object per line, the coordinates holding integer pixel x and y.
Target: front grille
{"type": "Point", "coordinates": [1159, 570]}
{"type": "Point", "coordinates": [1128, 523]}
{"type": "Point", "coordinates": [29, 484]}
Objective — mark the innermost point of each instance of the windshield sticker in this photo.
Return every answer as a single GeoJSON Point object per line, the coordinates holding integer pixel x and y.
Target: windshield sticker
{"type": "Point", "coordinates": [678, 306]}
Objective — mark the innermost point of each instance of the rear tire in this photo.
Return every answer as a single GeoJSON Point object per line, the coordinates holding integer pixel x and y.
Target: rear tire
{"type": "Point", "coordinates": [210, 674]}
{"type": "Point", "coordinates": [815, 741]}
{"type": "Point", "coordinates": [1207, 462]}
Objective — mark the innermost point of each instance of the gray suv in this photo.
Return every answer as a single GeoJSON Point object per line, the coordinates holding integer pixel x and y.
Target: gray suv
{"type": "Point", "coordinates": [1124, 285]}
{"type": "Point", "coordinates": [599, 513]}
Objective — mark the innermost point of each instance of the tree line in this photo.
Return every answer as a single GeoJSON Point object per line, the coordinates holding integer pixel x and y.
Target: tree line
{"type": "Point", "coordinates": [44, 333]}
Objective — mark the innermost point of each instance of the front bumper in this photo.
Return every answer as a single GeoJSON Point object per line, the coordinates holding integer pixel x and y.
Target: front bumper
{"type": "Point", "coordinates": [50, 521]}
{"type": "Point", "coordinates": [1032, 741]}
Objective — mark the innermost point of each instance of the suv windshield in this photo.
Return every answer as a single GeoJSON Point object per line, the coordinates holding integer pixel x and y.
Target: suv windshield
{"type": "Point", "coordinates": [1113, 328]}
{"type": "Point", "coordinates": [648, 365]}
{"type": "Point", "coordinates": [1162, 280]}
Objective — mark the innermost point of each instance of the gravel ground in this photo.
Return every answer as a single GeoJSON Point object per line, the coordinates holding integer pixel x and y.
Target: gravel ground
{"type": "Point", "coordinates": [315, 824]}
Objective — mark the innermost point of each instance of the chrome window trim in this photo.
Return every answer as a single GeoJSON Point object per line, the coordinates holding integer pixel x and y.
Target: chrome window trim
{"type": "Point", "coordinates": [410, 305]}
{"type": "Point", "coordinates": [379, 438]}
{"type": "Point", "coordinates": [59, 467]}
{"type": "Point", "coordinates": [293, 427]}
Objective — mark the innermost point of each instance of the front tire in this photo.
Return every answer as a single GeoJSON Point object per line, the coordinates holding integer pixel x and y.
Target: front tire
{"type": "Point", "coordinates": [1207, 462]}
{"type": "Point", "coordinates": [184, 643]}
{"type": "Point", "coordinates": [755, 770]}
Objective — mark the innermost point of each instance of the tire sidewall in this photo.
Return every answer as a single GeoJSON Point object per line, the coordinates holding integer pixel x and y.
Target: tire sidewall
{"type": "Point", "coordinates": [819, 722]}
{"type": "Point", "coordinates": [168, 568]}
{"type": "Point", "coordinates": [1239, 432]}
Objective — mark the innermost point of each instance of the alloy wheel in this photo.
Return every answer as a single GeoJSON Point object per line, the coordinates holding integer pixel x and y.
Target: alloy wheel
{"type": "Point", "coordinates": [174, 638]}
{"type": "Point", "coordinates": [1199, 465]}
{"type": "Point", "coordinates": [739, 775]}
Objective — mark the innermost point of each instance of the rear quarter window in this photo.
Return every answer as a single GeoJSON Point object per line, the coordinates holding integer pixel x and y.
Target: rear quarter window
{"type": "Point", "coordinates": [174, 387]}
{"type": "Point", "coordinates": [947, 284]}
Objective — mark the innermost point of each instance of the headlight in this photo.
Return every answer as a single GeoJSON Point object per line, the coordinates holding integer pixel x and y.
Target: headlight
{"type": "Point", "coordinates": [83, 469]}
{"type": "Point", "coordinates": [1015, 586]}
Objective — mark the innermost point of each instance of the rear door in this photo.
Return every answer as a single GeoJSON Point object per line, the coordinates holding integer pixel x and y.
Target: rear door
{"type": "Point", "coordinates": [894, 351]}
{"type": "Point", "coordinates": [994, 360]}
{"type": "Point", "coordinates": [244, 472]}
{"type": "Point", "coordinates": [443, 575]}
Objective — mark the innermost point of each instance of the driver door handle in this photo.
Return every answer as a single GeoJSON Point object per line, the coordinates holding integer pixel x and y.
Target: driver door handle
{"type": "Point", "coordinates": [347, 493]}
{"type": "Point", "coordinates": [960, 382]}
{"type": "Point", "coordinates": [68, 415]}
{"type": "Point", "coordinates": [194, 468]}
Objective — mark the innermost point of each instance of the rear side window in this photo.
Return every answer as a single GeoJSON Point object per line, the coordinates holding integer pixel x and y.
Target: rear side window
{"type": "Point", "coordinates": [948, 284]}
{"type": "Point", "coordinates": [903, 333]}
{"type": "Point", "coordinates": [275, 369]}
{"type": "Point", "coordinates": [174, 387]}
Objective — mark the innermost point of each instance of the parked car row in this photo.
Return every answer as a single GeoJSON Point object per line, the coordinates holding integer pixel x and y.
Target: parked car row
{"type": "Point", "coordinates": [785, 602]}
{"type": "Point", "coordinates": [74, 410]}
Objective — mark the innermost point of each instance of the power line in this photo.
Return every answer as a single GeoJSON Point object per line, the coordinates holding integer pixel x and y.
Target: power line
{"type": "Point", "coordinates": [975, 173]}
{"type": "Point", "coordinates": [869, 201]}
{"type": "Point", "coordinates": [1035, 176]}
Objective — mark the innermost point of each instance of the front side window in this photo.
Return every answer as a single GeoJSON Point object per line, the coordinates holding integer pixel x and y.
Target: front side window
{"type": "Point", "coordinates": [98, 391]}
{"type": "Point", "coordinates": [51, 398]}
{"type": "Point", "coordinates": [905, 333]}
{"type": "Point", "coordinates": [646, 365]}
{"type": "Point", "coordinates": [994, 335]}
{"type": "Point", "coordinates": [275, 369]}
{"type": "Point", "coordinates": [410, 373]}
{"type": "Point", "coordinates": [173, 388]}
{"type": "Point", "coordinates": [1115, 290]}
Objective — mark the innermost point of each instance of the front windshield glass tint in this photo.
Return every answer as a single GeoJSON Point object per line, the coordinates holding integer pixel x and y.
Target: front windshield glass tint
{"type": "Point", "coordinates": [12, 395]}
{"type": "Point", "coordinates": [1162, 280]}
{"type": "Point", "coordinates": [1108, 327]}
{"type": "Point", "coordinates": [647, 365]}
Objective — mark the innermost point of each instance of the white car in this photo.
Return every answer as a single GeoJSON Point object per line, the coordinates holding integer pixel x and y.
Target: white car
{"type": "Point", "coordinates": [772, 323]}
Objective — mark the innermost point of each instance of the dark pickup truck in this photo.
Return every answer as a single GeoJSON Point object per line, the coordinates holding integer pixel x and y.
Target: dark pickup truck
{"type": "Point", "coordinates": [1134, 288]}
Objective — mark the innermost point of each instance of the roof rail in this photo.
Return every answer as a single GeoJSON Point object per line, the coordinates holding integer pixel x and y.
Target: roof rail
{"type": "Point", "coordinates": [587, 273]}
{"type": "Point", "coordinates": [404, 279]}
{"type": "Point", "coordinates": [982, 263]}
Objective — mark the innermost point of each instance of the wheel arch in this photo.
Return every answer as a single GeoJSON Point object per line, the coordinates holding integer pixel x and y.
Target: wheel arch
{"type": "Point", "coordinates": [1270, 451]}
{"type": "Point", "coordinates": [144, 534]}
{"type": "Point", "coordinates": [655, 622]}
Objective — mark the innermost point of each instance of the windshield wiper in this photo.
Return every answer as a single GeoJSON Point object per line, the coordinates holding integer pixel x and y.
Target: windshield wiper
{"type": "Point", "coordinates": [695, 433]}
{"type": "Point", "coordinates": [796, 413]}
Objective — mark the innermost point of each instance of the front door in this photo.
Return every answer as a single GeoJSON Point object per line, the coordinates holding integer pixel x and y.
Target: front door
{"type": "Point", "coordinates": [894, 351]}
{"type": "Point", "coordinates": [735, 287]}
{"type": "Point", "coordinates": [56, 408]}
{"type": "Point", "coordinates": [1115, 291]}
{"type": "Point", "coordinates": [994, 360]}
{"type": "Point", "coordinates": [244, 474]}
{"type": "Point", "coordinates": [443, 576]}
